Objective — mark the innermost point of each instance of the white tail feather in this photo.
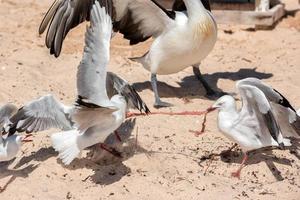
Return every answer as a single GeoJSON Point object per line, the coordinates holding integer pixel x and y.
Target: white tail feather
{"type": "Point", "coordinates": [66, 144]}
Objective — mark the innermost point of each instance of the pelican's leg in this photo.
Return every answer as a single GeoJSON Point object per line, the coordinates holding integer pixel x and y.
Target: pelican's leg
{"type": "Point", "coordinates": [238, 172]}
{"type": "Point", "coordinates": [210, 93]}
{"type": "Point", "coordinates": [158, 103]}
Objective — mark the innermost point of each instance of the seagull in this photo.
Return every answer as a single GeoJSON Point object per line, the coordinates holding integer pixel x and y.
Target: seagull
{"type": "Point", "coordinates": [9, 146]}
{"type": "Point", "coordinates": [102, 101]}
{"type": "Point", "coordinates": [254, 126]}
{"type": "Point", "coordinates": [183, 36]}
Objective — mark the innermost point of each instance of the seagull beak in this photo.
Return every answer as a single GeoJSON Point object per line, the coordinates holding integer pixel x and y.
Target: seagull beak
{"type": "Point", "coordinates": [25, 139]}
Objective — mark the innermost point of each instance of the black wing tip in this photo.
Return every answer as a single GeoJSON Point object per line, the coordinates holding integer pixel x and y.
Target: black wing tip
{"type": "Point", "coordinates": [80, 102]}
{"type": "Point", "coordinates": [284, 102]}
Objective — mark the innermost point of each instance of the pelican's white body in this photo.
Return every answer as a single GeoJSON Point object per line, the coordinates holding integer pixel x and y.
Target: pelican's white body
{"type": "Point", "coordinates": [186, 43]}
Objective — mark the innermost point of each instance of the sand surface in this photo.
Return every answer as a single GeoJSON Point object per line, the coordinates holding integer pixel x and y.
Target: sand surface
{"type": "Point", "coordinates": [166, 162]}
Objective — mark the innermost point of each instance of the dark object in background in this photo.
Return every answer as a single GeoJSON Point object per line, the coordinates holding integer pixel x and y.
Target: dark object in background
{"type": "Point", "coordinates": [180, 6]}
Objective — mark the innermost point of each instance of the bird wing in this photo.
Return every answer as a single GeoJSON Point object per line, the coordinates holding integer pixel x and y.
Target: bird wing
{"type": "Point", "coordinates": [137, 20]}
{"type": "Point", "coordinates": [117, 85]}
{"type": "Point", "coordinates": [256, 103]}
{"type": "Point", "coordinates": [144, 19]}
{"type": "Point", "coordinates": [64, 15]}
{"type": "Point", "coordinates": [91, 74]}
{"type": "Point", "coordinates": [284, 112]}
{"type": "Point", "coordinates": [41, 114]}
{"type": "Point", "coordinates": [93, 103]}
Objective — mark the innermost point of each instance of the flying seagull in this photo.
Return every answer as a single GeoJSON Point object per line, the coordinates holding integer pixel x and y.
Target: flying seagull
{"type": "Point", "coordinates": [9, 146]}
{"type": "Point", "coordinates": [100, 108]}
{"type": "Point", "coordinates": [183, 36]}
{"type": "Point", "coordinates": [254, 126]}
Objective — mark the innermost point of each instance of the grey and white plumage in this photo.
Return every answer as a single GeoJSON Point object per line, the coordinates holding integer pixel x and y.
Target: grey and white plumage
{"type": "Point", "coordinates": [285, 113]}
{"type": "Point", "coordinates": [102, 98]}
{"type": "Point", "coordinates": [255, 125]}
{"type": "Point", "coordinates": [183, 36]}
{"type": "Point", "coordinates": [10, 145]}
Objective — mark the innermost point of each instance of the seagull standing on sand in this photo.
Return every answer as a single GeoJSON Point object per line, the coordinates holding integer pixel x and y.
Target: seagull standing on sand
{"type": "Point", "coordinates": [9, 146]}
{"type": "Point", "coordinates": [103, 98]}
{"type": "Point", "coordinates": [183, 36]}
{"type": "Point", "coordinates": [254, 126]}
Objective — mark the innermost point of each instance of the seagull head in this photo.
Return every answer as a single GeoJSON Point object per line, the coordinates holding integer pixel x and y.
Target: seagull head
{"type": "Point", "coordinates": [225, 102]}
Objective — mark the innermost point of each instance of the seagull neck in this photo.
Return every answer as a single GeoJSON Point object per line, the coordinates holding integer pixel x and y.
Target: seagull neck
{"type": "Point", "coordinates": [194, 7]}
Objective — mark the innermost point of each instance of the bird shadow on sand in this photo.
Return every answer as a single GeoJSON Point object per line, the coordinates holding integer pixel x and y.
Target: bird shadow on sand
{"type": "Point", "coordinates": [191, 87]}
{"type": "Point", "coordinates": [13, 173]}
{"type": "Point", "coordinates": [19, 170]}
{"type": "Point", "coordinates": [108, 168]}
{"type": "Point", "coordinates": [263, 155]}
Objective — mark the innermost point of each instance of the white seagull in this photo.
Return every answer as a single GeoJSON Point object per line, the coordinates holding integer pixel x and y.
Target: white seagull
{"type": "Point", "coordinates": [254, 126]}
{"type": "Point", "coordinates": [9, 146]}
{"type": "Point", "coordinates": [100, 108]}
{"type": "Point", "coordinates": [183, 36]}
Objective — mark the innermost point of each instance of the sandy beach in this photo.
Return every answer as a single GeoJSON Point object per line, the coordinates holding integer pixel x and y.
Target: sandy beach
{"type": "Point", "coordinates": [165, 162]}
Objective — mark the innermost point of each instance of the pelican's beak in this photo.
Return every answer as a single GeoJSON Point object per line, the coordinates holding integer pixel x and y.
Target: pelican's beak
{"type": "Point", "coordinates": [25, 139]}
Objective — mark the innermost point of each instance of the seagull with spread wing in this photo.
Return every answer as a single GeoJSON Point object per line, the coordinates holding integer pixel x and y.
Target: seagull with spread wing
{"type": "Point", "coordinates": [183, 36]}
{"type": "Point", "coordinates": [255, 125]}
{"type": "Point", "coordinates": [103, 98]}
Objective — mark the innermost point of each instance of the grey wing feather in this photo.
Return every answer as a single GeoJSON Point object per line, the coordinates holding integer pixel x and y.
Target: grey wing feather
{"type": "Point", "coordinates": [284, 112]}
{"type": "Point", "coordinates": [117, 85]}
{"type": "Point", "coordinates": [91, 74]}
{"type": "Point", "coordinates": [254, 101]}
{"type": "Point", "coordinates": [41, 114]}
{"type": "Point", "coordinates": [64, 15]}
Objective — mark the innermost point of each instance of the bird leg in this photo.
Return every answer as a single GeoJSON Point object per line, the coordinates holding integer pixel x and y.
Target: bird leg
{"type": "Point", "coordinates": [210, 93]}
{"type": "Point", "coordinates": [118, 136]}
{"type": "Point", "coordinates": [111, 150]}
{"type": "Point", "coordinates": [25, 139]}
{"type": "Point", "coordinates": [237, 174]}
{"type": "Point", "coordinates": [158, 103]}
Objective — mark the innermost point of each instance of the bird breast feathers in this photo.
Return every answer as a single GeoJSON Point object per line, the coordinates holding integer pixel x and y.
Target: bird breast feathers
{"type": "Point", "coordinates": [204, 28]}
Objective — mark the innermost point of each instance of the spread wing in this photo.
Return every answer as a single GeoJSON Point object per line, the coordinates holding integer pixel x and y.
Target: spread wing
{"type": "Point", "coordinates": [117, 85]}
{"type": "Point", "coordinates": [137, 20]}
{"type": "Point", "coordinates": [91, 74]}
{"type": "Point", "coordinates": [41, 114]}
{"type": "Point", "coordinates": [144, 19]}
{"type": "Point", "coordinates": [285, 113]}
{"type": "Point", "coordinates": [64, 15]}
{"type": "Point", "coordinates": [93, 104]}
{"type": "Point", "coordinates": [255, 103]}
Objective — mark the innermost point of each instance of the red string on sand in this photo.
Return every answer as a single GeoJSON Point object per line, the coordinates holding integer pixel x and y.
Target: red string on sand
{"type": "Point", "coordinates": [197, 133]}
